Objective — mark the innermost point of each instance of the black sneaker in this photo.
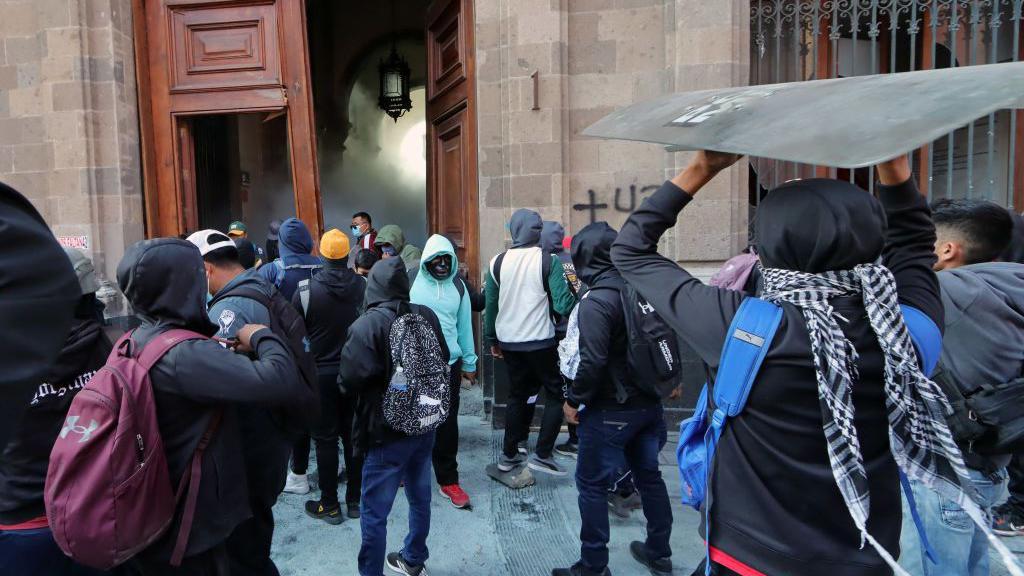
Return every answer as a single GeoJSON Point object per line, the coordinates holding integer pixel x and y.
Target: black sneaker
{"type": "Point", "coordinates": [400, 566]}
{"type": "Point", "coordinates": [569, 449]}
{"type": "Point", "coordinates": [315, 509]}
{"type": "Point", "coordinates": [523, 448]}
{"type": "Point", "coordinates": [619, 506]}
{"type": "Point", "coordinates": [1007, 521]}
{"type": "Point", "coordinates": [657, 566]}
{"type": "Point", "coordinates": [353, 510]}
{"type": "Point", "coordinates": [546, 465]}
{"type": "Point", "coordinates": [506, 464]}
{"type": "Point", "coordinates": [578, 569]}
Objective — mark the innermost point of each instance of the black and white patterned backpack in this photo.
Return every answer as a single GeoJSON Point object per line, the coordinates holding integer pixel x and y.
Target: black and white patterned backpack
{"type": "Point", "coordinates": [418, 397]}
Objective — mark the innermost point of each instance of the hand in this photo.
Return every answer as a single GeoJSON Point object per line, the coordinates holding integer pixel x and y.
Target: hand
{"type": "Point", "coordinates": [572, 415]}
{"type": "Point", "coordinates": [245, 336]}
{"type": "Point", "coordinates": [895, 171]}
{"type": "Point", "coordinates": [676, 393]}
{"type": "Point", "coordinates": [471, 376]}
{"type": "Point", "coordinates": [496, 351]}
{"type": "Point", "coordinates": [703, 167]}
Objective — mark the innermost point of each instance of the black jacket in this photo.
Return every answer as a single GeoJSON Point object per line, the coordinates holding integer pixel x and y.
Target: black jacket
{"type": "Point", "coordinates": [366, 358]}
{"type": "Point", "coordinates": [603, 344]}
{"type": "Point", "coordinates": [164, 281]}
{"type": "Point", "coordinates": [335, 294]}
{"type": "Point", "coordinates": [27, 456]}
{"type": "Point", "coordinates": [776, 505]}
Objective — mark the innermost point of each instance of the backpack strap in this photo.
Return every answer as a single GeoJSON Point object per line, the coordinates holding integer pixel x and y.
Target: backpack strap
{"type": "Point", "coordinates": [279, 277]}
{"type": "Point", "coordinates": [304, 296]}
{"type": "Point", "coordinates": [192, 478]}
{"type": "Point", "coordinates": [496, 269]}
{"type": "Point", "coordinates": [747, 343]}
{"type": "Point", "coordinates": [926, 336]}
{"type": "Point", "coordinates": [155, 349]}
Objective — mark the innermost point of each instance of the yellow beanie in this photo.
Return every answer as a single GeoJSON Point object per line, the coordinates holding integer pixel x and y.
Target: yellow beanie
{"type": "Point", "coordinates": [334, 245]}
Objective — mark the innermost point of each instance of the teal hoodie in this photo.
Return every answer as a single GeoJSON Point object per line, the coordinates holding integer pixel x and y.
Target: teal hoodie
{"type": "Point", "coordinates": [441, 296]}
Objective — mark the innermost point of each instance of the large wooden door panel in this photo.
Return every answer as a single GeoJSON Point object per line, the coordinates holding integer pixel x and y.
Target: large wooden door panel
{"type": "Point", "coordinates": [454, 210]}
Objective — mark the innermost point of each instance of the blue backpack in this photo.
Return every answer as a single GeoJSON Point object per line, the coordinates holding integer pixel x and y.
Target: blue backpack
{"type": "Point", "coordinates": [749, 338]}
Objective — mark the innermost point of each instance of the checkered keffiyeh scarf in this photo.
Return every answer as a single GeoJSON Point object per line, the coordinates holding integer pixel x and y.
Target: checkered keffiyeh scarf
{"type": "Point", "coordinates": [919, 438]}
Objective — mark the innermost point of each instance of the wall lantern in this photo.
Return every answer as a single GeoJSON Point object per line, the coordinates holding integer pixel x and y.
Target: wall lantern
{"type": "Point", "coordinates": [394, 85]}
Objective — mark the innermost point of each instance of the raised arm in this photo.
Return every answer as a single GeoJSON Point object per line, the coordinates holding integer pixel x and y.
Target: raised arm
{"type": "Point", "coordinates": [700, 314]}
{"type": "Point", "coordinates": [910, 238]}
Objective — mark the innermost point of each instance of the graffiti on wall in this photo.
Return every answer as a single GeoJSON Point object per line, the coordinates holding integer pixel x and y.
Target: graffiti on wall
{"type": "Point", "coordinates": [598, 206]}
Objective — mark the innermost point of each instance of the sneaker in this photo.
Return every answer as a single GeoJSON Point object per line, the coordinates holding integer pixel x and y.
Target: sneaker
{"type": "Point", "coordinates": [456, 494]}
{"type": "Point", "coordinates": [315, 509]}
{"type": "Point", "coordinates": [617, 504]}
{"type": "Point", "coordinates": [578, 569]}
{"type": "Point", "coordinates": [633, 501]}
{"type": "Point", "coordinates": [523, 448]}
{"type": "Point", "coordinates": [1007, 521]}
{"type": "Point", "coordinates": [296, 483]}
{"type": "Point", "coordinates": [353, 510]}
{"type": "Point", "coordinates": [657, 566]}
{"type": "Point", "coordinates": [400, 566]}
{"type": "Point", "coordinates": [506, 464]}
{"type": "Point", "coordinates": [569, 449]}
{"type": "Point", "coordinates": [546, 465]}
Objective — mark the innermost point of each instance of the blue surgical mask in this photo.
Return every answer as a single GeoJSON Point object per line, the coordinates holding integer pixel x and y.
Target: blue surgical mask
{"type": "Point", "coordinates": [355, 230]}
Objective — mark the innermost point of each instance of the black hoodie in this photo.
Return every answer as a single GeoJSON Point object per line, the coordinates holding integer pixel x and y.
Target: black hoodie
{"type": "Point", "coordinates": [776, 507]}
{"type": "Point", "coordinates": [335, 294]}
{"type": "Point", "coordinates": [165, 282]}
{"type": "Point", "coordinates": [366, 365]}
{"type": "Point", "coordinates": [26, 458]}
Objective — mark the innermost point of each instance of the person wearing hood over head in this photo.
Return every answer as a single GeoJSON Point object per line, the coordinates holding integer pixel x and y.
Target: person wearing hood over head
{"type": "Point", "coordinates": [524, 288]}
{"type": "Point", "coordinates": [982, 346]}
{"type": "Point", "coordinates": [391, 457]}
{"type": "Point", "coordinates": [273, 231]}
{"type": "Point", "coordinates": [329, 304]}
{"type": "Point", "coordinates": [793, 472]}
{"type": "Point", "coordinates": [26, 542]}
{"type": "Point", "coordinates": [296, 261]}
{"type": "Point", "coordinates": [197, 386]}
{"type": "Point", "coordinates": [439, 287]}
{"type": "Point", "coordinates": [391, 242]}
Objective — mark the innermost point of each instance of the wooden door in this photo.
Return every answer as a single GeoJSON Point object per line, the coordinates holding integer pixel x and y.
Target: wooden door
{"type": "Point", "coordinates": [199, 57]}
{"type": "Point", "coordinates": [451, 129]}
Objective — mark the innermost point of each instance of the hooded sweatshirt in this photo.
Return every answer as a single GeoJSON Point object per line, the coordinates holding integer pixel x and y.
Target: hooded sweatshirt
{"type": "Point", "coordinates": [366, 365]}
{"type": "Point", "coordinates": [454, 311]}
{"type": "Point", "coordinates": [295, 246]}
{"type": "Point", "coordinates": [165, 283]}
{"type": "Point", "coordinates": [392, 234]}
{"type": "Point", "coordinates": [776, 507]}
{"type": "Point", "coordinates": [518, 311]}
{"type": "Point", "coordinates": [335, 295]}
{"type": "Point", "coordinates": [984, 337]}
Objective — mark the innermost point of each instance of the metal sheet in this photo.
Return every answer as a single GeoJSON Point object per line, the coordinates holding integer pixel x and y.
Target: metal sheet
{"type": "Point", "coordinates": [845, 122]}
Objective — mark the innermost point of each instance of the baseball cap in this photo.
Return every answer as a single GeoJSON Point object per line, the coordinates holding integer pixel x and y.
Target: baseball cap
{"type": "Point", "coordinates": [84, 270]}
{"type": "Point", "coordinates": [273, 229]}
{"type": "Point", "coordinates": [334, 245]}
{"type": "Point", "coordinates": [209, 240]}
{"type": "Point", "coordinates": [236, 227]}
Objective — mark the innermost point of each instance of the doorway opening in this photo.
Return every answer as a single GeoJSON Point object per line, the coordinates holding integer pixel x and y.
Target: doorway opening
{"type": "Point", "coordinates": [242, 172]}
{"type": "Point", "coordinates": [368, 161]}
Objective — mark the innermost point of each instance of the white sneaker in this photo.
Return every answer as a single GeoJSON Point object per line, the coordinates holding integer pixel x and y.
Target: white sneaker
{"type": "Point", "coordinates": [296, 483]}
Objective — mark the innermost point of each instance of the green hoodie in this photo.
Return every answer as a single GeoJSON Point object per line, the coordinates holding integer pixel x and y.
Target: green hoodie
{"type": "Point", "coordinates": [442, 296]}
{"type": "Point", "coordinates": [392, 234]}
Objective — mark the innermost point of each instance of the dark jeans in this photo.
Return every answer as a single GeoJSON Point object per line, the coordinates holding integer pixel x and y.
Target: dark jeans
{"type": "Point", "coordinates": [528, 374]}
{"type": "Point", "coordinates": [385, 468]}
{"type": "Point", "coordinates": [1016, 471]}
{"type": "Point", "coordinates": [639, 434]}
{"type": "Point", "coordinates": [35, 553]}
{"type": "Point", "coordinates": [213, 562]}
{"type": "Point", "coordinates": [300, 454]}
{"type": "Point", "coordinates": [335, 422]}
{"type": "Point", "coordinates": [446, 442]}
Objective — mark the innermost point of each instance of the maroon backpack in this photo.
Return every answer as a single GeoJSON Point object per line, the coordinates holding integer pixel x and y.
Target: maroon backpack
{"type": "Point", "coordinates": [108, 492]}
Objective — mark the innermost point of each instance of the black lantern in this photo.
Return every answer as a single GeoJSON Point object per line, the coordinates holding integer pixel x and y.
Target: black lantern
{"type": "Point", "coordinates": [394, 86]}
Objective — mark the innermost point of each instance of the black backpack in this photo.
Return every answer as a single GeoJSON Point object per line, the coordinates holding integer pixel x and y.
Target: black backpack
{"type": "Point", "coordinates": [287, 324]}
{"type": "Point", "coordinates": [987, 419]}
{"type": "Point", "coordinates": [653, 347]}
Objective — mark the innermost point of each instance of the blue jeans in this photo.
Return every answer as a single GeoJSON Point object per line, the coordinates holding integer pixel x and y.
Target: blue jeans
{"type": "Point", "coordinates": [385, 468]}
{"type": "Point", "coordinates": [960, 546]}
{"type": "Point", "coordinates": [606, 436]}
{"type": "Point", "coordinates": [35, 553]}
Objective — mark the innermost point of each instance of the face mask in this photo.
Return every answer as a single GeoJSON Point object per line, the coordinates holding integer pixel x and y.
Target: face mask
{"type": "Point", "coordinates": [389, 251]}
{"type": "Point", "coordinates": [440, 268]}
{"type": "Point", "coordinates": [355, 230]}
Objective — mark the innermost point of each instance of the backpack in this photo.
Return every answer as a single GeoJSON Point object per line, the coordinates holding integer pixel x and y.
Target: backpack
{"type": "Point", "coordinates": [653, 351]}
{"type": "Point", "coordinates": [736, 271]}
{"type": "Point", "coordinates": [750, 337]}
{"type": "Point", "coordinates": [569, 347]}
{"type": "Point", "coordinates": [987, 420]}
{"type": "Point", "coordinates": [418, 395]}
{"type": "Point", "coordinates": [108, 492]}
{"type": "Point", "coordinates": [282, 269]}
{"type": "Point", "coordinates": [287, 324]}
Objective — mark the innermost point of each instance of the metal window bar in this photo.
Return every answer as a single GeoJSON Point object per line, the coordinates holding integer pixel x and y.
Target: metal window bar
{"type": "Point", "coordinates": [827, 38]}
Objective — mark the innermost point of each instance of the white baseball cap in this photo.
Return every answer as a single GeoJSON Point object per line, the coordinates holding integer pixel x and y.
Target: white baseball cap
{"type": "Point", "coordinates": [209, 240]}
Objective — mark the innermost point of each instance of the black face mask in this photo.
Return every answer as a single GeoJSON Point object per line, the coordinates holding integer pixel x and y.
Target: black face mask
{"type": "Point", "coordinates": [440, 268]}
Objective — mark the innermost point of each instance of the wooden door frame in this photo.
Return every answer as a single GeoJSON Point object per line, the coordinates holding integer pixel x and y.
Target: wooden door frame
{"type": "Point", "coordinates": [160, 115]}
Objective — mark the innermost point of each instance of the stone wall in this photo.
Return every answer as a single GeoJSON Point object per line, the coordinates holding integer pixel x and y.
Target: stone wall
{"type": "Point", "coordinates": [69, 131]}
